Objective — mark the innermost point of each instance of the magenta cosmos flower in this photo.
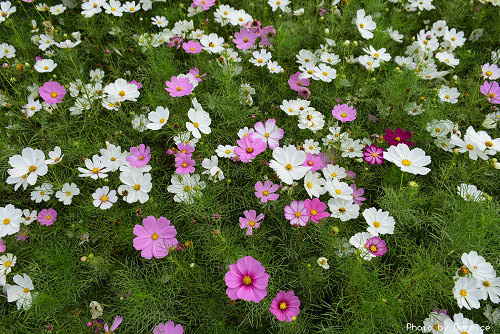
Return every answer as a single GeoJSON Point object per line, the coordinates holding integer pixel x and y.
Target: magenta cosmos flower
{"type": "Point", "coordinates": [376, 246]}
{"type": "Point", "coordinates": [175, 42]}
{"type": "Point", "coordinates": [179, 86]}
{"type": "Point", "coordinates": [52, 92]}
{"type": "Point", "coordinates": [247, 280]}
{"type": "Point", "coordinates": [344, 113]}
{"type": "Point", "coordinates": [192, 47]}
{"type": "Point", "coordinates": [394, 138]}
{"type": "Point", "coordinates": [195, 72]}
{"type": "Point", "coordinates": [139, 156]}
{"type": "Point", "coordinates": [269, 133]}
{"type": "Point", "coordinates": [3, 248]}
{"type": "Point", "coordinates": [266, 192]}
{"type": "Point", "coordinates": [184, 164]}
{"type": "Point", "coordinates": [285, 306]}
{"type": "Point", "coordinates": [314, 162]}
{"type": "Point", "coordinates": [296, 213]}
{"type": "Point", "coordinates": [356, 195]}
{"type": "Point", "coordinates": [185, 148]}
{"type": "Point", "coordinates": [251, 220]}
{"type": "Point", "coordinates": [316, 209]}
{"type": "Point", "coordinates": [155, 237]}
{"type": "Point", "coordinates": [245, 38]}
{"type": "Point", "coordinates": [492, 91]}
{"type": "Point", "coordinates": [296, 83]}
{"type": "Point", "coordinates": [168, 328]}
{"type": "Point", "coordinates": [374, 155]}
{"type": "Point", "coordinates": [249, 148]}
{"type": "Point", "coordinates": [205, 4]}
{"type": "Point", "coordinates": [118, 320]}
{"type": "Point", "coordinates": [47, 216]}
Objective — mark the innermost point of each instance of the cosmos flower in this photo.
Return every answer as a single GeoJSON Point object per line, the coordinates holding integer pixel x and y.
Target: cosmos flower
{"type": "Point", "coordinates": [285, 306]}
{"type": "Point", "coordinates": [247, 280]}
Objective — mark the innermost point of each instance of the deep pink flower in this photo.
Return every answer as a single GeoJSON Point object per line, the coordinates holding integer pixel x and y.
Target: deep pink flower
{"type": "Point", "coordinates": [195, 72]}
{"type": "Point", "coordinates": [296, 83]}
{"type": "Point", "coordinates": [492, 91]}
{"type": "Point", "coordinates": [269, 133]}
{"type": "Point", "coordinates": [344, 113]}
{"type": "Point", "coordinates": [376, 246]}
{"type": "Point", "coordinates": [175, 41]}
{"type": "Point", "coordinates": [316, 209]}
{"type": "Point", "coordinates": [313, 161]}
{"type": "Point", "coordinates": [285, 306]}
{"type": "Point", "coordinates": [251, 220]}
{"type": "Point", "coordinates": [184, 163]}
{"type": "Point", "coordinates": [140, 156]}
{"type": "Point", "coordinates": [155, 237]}
{"type": "Point", "coordinates": [137, 83]}
{"type": "Point", "coordinates": [168, 328]}
{"type": "Point", "coordinates": [249, 148]}
{"type": "Point", "coordinates": [185, 148]}
{"type": "Point", "coordinates": [118, 320]}
{"type": "Point", "coordinates": [304, 93]}
{"type": "Point", "coordinates": [3, 248]}
{"type": "Point", "coordinates": [266, 191]}
{"type": "Point", "coordinates": [296, 213]}
{"type": "Point", "coordinates": [205, 4]}
{"type": "Point", "coordinates": [179, 86]}
{"type": "Point", "coordinates": [47, 216]}
{"type": "Point", "coordinates": [374, 155]}
{"type": "Point", "coordinates": [192, 47]}
{"type": "Point", "coordinates": [356, 195]}
{"type": "Point", "coordinates": [52, 92]}
{"type": "Point", "coordinates": [245, 38]}
{"type": "Point", "coordinates": [394, 138]}
{"type": "Point", "coordinates": [247, 280]}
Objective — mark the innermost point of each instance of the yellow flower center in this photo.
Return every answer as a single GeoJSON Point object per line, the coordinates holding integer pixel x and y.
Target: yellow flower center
{"type": "Point", "coordinates": [489, 73]}
{"type": "Point", "coordinates": [406, 162]}
{"type": "Point", "coordinates": [314, 212]}
{"type": "Point", "coordinates": [245, 39]}
{"type": "Point", "coordinates": [492, 95]}
{"type": "Point", "coordinates": [266, 135]}
{"type": "Point", "coordinates": [338, 191]}
{"type": "Point", "coordinates": [453, 39]}
{"type": "Point", "coordinates": [95, 170]}
{"type": "Point", "coordinates": [487, 284]}
{"type": "Point", "coordinates": [334, 174]}
{"type": "Point", "coordinates": [374, 155]}
{"type": "Point", "coordinates": [397, 138]}
{"type": "Point", "coordinates": [265, 193]}
{"type": "Point", "coordinates": [32, 108]}
{"type": "Point", "coordinates": [260, 61]}
{"type": "Point", "coordinates": [249, 149]}
{"type": "Point", "coordinates": [376, 55]}
{"type": "Point", "coordinates": [187, 188]}
{"type": "Point", "coordinates": [26, 290]}
{"type": "Point", "coordinates": [48, 217]}
{"type": "Point", "coordinates": [179, 88]}
{"type": "Point", "coordinates": [470, 147]}
{"type": "Point", "coordinates": [247, 280]}
{"type": "Point", "coordinates": [45, 67]}
{"type": "Point", "coordinates": [42, 192]}
{"type": "Point", "coordinates": [373, 248]}
{"type": "Point", "coordinates": [137, 187]}
{"type": "Point", "coordinates": [6, 221]}
{"type": "Point", "coordinates": [68, 193]}
{"type": "Point", "coordinates": [7, 264]}
{"type": "Point", "coordinates": [342, 210]}
{"type": "Point", "coordinates": [297, 214]}
{"type": "Point", "coordinates": [310, 163]}
{"type": "Point", "coordinates": [32, 168]}
{"type": "Point", "coordinates": [361, 25]}
{"type": "Point", "coordinates": [437, 327]}
{"type": "Point", "coordinates": [343, 115]}
{"type": "Point", "coordinates": [376, 224]}
{"type": "Point", "coordinates": [309, 185]}
{"type": "Point", "coordinates": [283, 306]}
{"type": "Point", "coordinates": [227, 151]}
{"type": "Point", "coordinates": [288, 167]}
{"type": "Point", "coordinates": [113, 159]}
{"type": "Point", "coordinates": [155, 236]}
{"type": "Point", "coordinates": [368, 63]}
{"type": "Point", "coordinates": [195, 124]}
{"type": "Point", "coordinates": [463, 293]}
{"type": "Point", "coordinates": [446, 96]}
{"type": "Point", "coordinates": [132, 9]}
{"type": "Point", "coordinates": [251, 223]}
{"type": "Point", "coordinates": [104, 198]}
{"type": "Point", "coordinates": [184, 164]}
{"type": "Point", "coordinates": [191, 48]}
{"type": "Point", "coordinates": [325, 74]}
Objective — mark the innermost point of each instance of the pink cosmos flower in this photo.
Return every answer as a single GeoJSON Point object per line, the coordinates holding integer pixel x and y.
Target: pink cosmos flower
{"type": "Point", "coordinates": [323, 159]}
{"type": "Point", "coordinates": [23, 234]}
{"type": "Point", "coordinates": [47, 216]}
{"type": "Point", "coordinates": [316, 209]}
{"type": "Point", "coordinates": [376, 246]}
{"type": "Point", "coordinates": [184, 164]}
{"type": "Point", "coordinates": [137, 83]}
{"type": "Point", "coordinates": [492, 91]}
{"type": "Point", "coordinates": [249, 148]}
{"type": "Point", "coordinates": [350, 175]}
{"type": "Point", "coordinates": [313, 161]}
{"type": "Point", "coordinates": [356, 195]}
{"type": "Point", "coordinates": [155, 237]}
{"type": "Point", "coordinates": [247, 280]}
{"type": "Point", "coordinates": [205, 4]}
{"type": "Point", "coordinates": [296, 213]}
{"type": "Point", "coordinates": [304, 93]}
{"type": "Point", "coordinates": [245, 38]}
{"type": "Point", "coordinates": [179, 86]}
{"type": "Point", "coordinates": [394, 138]}
{"type": "Point", "coordinates": [52, 92]}
{"type": "Point", "coordinates": [374, 155]}
{"type": "Point", "coordinates": [295, 83]}
{"type": "Point", "coordinates": [192, 47]}
{"type": "Point", "coordinates": [140, 156]}
{"type": "Point", "coordinates": [285, 306]}
{"type": "Point", "coordinates": [344, 113]}
{"type": "Point", "coordinates": [266, 191]}
{"type": "Point", "coordinates": [269, 133]}
{"type": "Point", "coordinates": [118, 320]}
{"type": "Point", "coordinates": [266, 34]}
{"type": "Point", "coordinates": [3, 248]}
{"type": "Point", "coordinates": [175, 41]}
{"type": "Point", "coordinates": [168, 328]}
{"type": "Point", "coordinates": [195, 72]}
{"type": "Point", "coordinates": [251, 220]}
{"type": "Point", "coordinates": [185, 148]}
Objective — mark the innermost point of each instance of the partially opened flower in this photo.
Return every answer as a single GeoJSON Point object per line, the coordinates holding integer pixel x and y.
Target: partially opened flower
{"type": "Point", "coordinates": [251, 220]}
{"type": "Point", "coordinates": [155, 237]}
{"type": "Point", "coordinates": [139, 155]}
{"type": "Point", "coordinates": [285, 306]}
{"type": "Point", "coordinates": [247, 280]}
{"type": "Point", "coordinates": [168, 328]}
{"type": "Point", "coordinates": [52, 92]}
{"type": "Point", "coordinates": [376, 246]}
{"type": "Point", "coordinates": [118, 320]}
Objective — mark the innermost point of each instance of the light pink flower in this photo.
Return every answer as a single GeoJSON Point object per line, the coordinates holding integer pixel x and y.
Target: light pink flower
{"type": "Point", "coordinates": [47, 216]}
{"type": "Point", "coordinates": [52, 92]}
{"type": "Point", "coordinates": [269, 133]}
{"type": "Point", "coordinates": [296, 83]}
{"type": "Point", "coordinates": [245, 38]}
{"type": "Point", "coordinates": [192, 47]}
{"type": "Point", "coordinates": [155, 237]}
{"type": "Point", "coordinates": [184, 164]}
{"type": "Point", "coordinates": [344, 113]}
{"type": "Point", "coordinates": [118, 320]}
{"type": "Point", "coordinates": [168, 328]}
{"type": "Point", "coordinates": [266, 191]}
{"type": "Point", "coordinates": [249, 148]}
{"type": "Point", "coordinates": [296, 213]}
{"type": "Point", "coordinates": [251, 220]}
{"type": "Point", "coordinates": [179, 86]}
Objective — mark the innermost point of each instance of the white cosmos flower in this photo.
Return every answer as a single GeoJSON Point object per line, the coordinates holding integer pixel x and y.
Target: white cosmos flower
{"type": "Point", "coordinates": [67, 192]}
{"type": "Point", "coordinates": [460, 325]}
{"type": "Point", "coordinates": [365, 24]}
{"type": "Point", "coordinates": [314, 184]}
{"type": "Point", "coordinates": [45, 65]}
{"type": "Point", "coordinates": [339, 189]}
{"type": "Point", "coordinates": [359, 241]}
{"type": "Point", "coordinates": [7, 261]}
{"type": "Point", "coordinates": [96, 168]}
{"type": "Point", "coordinates": [104, 198]}
{"type": "Point", "coordinates": [136, 186]}
{"type": "Point", "coordinates": [323, 263]}
{"type": "Point", "coordinates": [467, 293]}
{"type": "Point", "coordinates": [200, 122]}
{"type": "Point", "coordinates": [469, 192]}
{"type": "Point", "coordinates": [477, 265]}
{"type": "Point", "coordinates": [30, 164]}
{"type": "Point", "coordinates": [42, 193]}
{"type": "Point", "coordinates": [158, 118]}
{"type": "Point", "coordinates": [21, 292]}
{"type": "Point", "coordinates": [379, 221]}
{"type": "Point", "coordinates": [114, 157]}
{"type": "Point", "coordinates": [343, 209]}
{"type": "Point", "coordinates": [287, 163]}
{"type": "Point", "coordinates": [212, 168]}
{"type": "Point", "coordinates": [410, 161]}
{"type": "Point", "coordinates": [55, 156]}
{"type": "Point", "coordinates": [29, 216]}
{"type": "Point", "coordinates": [120, 91]}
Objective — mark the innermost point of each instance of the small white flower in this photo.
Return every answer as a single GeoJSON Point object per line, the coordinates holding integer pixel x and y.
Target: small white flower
{"type": "Point", "coordinates": [323, 263]}
{"type": "Point", "coordinates": [55, 156]}
{"type": "Point", "coordinates": [67, 192]}
{"type": "Point", "coordinates": [104, 198]}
